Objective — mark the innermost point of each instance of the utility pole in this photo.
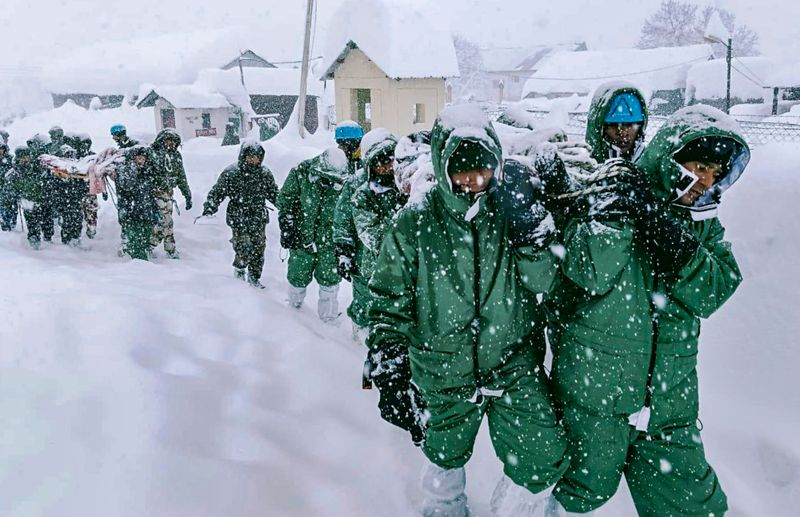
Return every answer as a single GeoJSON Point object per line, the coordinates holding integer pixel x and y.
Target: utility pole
{"type": "Point", "coordinates": [301, 103]}
{"type": "Point", "coordinates": [728, 91]}
{"type": "Point", "coordinates": [241, 71]}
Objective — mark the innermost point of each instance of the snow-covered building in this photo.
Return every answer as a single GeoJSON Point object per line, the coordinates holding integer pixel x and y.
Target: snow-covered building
{"type": "Point", "coordinates": [783, 87]}
{"type": "Point", "coordinates": [272, 93]}
{"type": "Point", "coordinates": [389, 65]}
{"type": "Point", "coordinates": [706, 82]}
{"type": "Point", "coordinates": [192, 110]}
{"type": "Point", "coordinates": [659, 72]}
{"type": "Point", "coordinates": [112, 70]}
{"type": "Point", "coordinates": [509, 68]}
{"type": "Point", "coordinates": [217, 97]}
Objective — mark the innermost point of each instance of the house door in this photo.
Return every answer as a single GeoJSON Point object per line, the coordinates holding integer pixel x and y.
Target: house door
{"type": "Point", "coordinates": [361, 107]}
{"type": "Point", "coordinates": [168, 118]}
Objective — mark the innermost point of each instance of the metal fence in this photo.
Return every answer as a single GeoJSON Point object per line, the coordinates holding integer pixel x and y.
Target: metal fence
{"type": "Point", "coordinates": [756, 132]}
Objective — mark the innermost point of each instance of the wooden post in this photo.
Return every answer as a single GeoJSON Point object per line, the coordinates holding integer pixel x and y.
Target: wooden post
{"type": "Point", "coordinates": [301, 103]}
{"type": "Point", "coordinates": [775, 92]}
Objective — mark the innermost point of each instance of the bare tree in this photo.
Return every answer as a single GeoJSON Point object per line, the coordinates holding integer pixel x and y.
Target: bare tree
{"type": "Point", "coordinates": [678, 23]}
{"type": "Point", "coordinates": [673, 25]}
{"type": "Point", "coordinates": [473, 81]}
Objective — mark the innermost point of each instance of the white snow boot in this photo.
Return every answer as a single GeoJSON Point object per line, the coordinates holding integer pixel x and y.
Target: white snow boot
{"type": "Point", "coordinates": [360, 335]}
{"type": "Point", "coordinates": [296, 296]}
{"type": "Point", "coordinates": [554, 509]}
{"type": "Point", "coordinates": [328, 304]}
{"type": "Point", "coordinates": [512, 500]}
{"type": "Point", "coordinates": [443, 490]}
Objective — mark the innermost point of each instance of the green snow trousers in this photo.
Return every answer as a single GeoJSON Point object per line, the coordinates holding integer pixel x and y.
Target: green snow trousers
{"type": "Point", "coordinates": [666, 469]}
{"type": "Point", "coordinates": [136, 237]}
{"type": "Point", "coordinates": [305, 265]}
{"type": "Point", "coordinates": [522, 425]}
{"type": "Point", "coordinates": [360, 304]}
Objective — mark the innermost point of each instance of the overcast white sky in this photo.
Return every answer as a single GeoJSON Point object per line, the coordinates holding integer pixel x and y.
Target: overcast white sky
{"type": "Point", "coordinates": [39, 31]}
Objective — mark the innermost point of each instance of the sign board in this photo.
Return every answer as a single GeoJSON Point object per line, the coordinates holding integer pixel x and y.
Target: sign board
{"type": "Point", "coordinates": [212, 131]}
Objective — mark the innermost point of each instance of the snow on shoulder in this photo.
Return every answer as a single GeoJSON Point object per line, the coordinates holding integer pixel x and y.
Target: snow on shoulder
{"type": "Point", "coordinates": [336, 158]}
{"type": "Point", "coordinates": [403, 42]}
{"type": "Point", "coordinates": [701, 116]}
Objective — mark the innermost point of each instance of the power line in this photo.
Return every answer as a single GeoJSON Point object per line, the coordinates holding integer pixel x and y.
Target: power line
{"type": "Point", "coordinates": [748, 69]}
{"type": "Point", "coordinates": [618, 75]}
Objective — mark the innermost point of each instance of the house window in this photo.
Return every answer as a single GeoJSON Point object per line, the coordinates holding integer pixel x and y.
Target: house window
{"type": "Point", "coordinates": [419, 113]}
{"type": "Point", "coordinates": [361, 107]}
{"type": "Point", "coordinates": [206, 120]}
{"type": "Point", "coordinates": [168, 118]}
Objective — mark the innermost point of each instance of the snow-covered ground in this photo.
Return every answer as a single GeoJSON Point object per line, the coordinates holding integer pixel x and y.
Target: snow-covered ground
{"type": "Point", "coordinates": [169, 388]}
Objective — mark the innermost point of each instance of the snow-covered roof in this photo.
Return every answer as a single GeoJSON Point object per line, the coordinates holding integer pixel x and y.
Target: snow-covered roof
{"type": "Point", "coordinates": [183, 96]}
{"type": "Point", "coordinates": [708, 80]}
{"type": "Point", "coordinates": [259, 81]}
{"type": "Point", "coordinates": [785, 75]}
{"type": "Point", "coordinates": [114, 67]}
{"type": "Point", "coordinates": [582, 72]}
{"type": "Point", "coordinates": [400, 40]}
{"type": "Point", "coordinates": [508, 59]}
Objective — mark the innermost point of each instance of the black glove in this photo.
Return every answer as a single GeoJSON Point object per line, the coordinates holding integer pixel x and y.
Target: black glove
{"type": "Point", "coordinates": [400, 402]}
{"type": "Point", "coordinates": [669, 244]}
{"type": "Point", "coordinates": [520, 201]}
{"type": "Point", "coordinates": [188, 203]}
{"type": "Point", "coordinates": [290, 239]}
{"type": "Point", "coordinates": [105, 196]}
{"type": "Point", "coordinates": [346, 262]}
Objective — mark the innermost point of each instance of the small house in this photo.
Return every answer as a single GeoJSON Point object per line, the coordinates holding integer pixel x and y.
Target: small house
{"type": "Point", "coordinates": [706, 83]}
{"type": "Point", "coordinates": [390, 70]}
{"type": "Point", "coordinates": [193, 111]}
{"type": "Point", "coordinates": [509, 68]}
{"type": "Point", "coordinates": [783, 87]}
{"type": "Point", "coordinates": [659, 72]}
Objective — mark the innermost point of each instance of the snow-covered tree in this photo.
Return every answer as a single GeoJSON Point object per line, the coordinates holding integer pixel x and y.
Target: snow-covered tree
{"type": "Point", "coordinates": [678, 23]}
{"type": "Point", "coordinates": [474, 83]}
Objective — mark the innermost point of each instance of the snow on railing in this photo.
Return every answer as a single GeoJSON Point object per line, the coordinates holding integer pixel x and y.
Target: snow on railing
{"type": "Point", "coordinates": [756, 132]}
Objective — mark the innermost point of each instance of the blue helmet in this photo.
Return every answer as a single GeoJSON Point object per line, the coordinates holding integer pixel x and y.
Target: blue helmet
{"type": "Point", "coordinates": [347, 130]}
{"type": "Point", "coordinates": [117, 129]}
{"type": "Point", "coordinates": [626, 108]}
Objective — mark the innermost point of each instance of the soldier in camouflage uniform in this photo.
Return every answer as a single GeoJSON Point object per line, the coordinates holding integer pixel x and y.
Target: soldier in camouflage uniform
{"type": "Point", "coordinates": [25, 184]}
{"type": "Point", "coordinates": [249, 185]}
{"type": "Point", "coordinates": [136, 206]}
{"type": "Point", "coordinates": [89, 207]}
{"type": "Point", "coordinates": [8, 204]}
{"type": "Point", "coordinates": [169, 173]}
{"type": "Point", "coordinates": [306, 204]}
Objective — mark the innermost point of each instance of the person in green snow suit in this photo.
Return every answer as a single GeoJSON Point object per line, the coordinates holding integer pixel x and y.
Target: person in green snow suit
{"type": "Point", "coordinates": [38, 145]}
{"type": "Point", "coordinates": [136, 205]}
{"type": "Point", "coordinates": [378, 199]}
{"type": "Point", "coordinates": [25, 187]}
{"type": "Point", "coordinates": [249, 185]}
{"type": "Point", "coordinates": [306, 204]}
{"type": "Point", "coordinates": [169, 174]}
{"type": "Point", "coordinates": [347, 247]}
{"type": "Point", "coordinates": [617, 122]}
{"type": "Point", "coordinates": [638, 278]}
{"type": "Point", "coordinates": [454, 323]}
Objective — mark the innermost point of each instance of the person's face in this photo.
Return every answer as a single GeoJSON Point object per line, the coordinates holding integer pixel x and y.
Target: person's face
{"type": "Point", "coordinates": [140, 159]}
{"type": "Point", "coordinates": [622, 135]}
{"type": "Point", "coordinates": [474, 181]}
{"type": "Point", "coordinates": [384, 169]}
{"type": "Point", "coordinates": [117, 137]}
{"type": "Point", "coordinates": [349, 146]}
{"type": "Point", "coordinates": [707, 174]}
{"type": "Point", "coordinates": [252, 160]}
{"type": "Point", "coordinates": [24, 160]}
{"type": "Point", "coordinates": [170, 145]}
